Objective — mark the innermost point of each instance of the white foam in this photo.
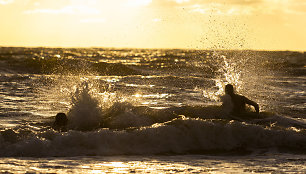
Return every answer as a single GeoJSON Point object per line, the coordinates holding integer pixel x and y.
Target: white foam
{"type": "Point", "coordinates": [86, 113]}
{"type": "Point", "coordinates": [179, 136]}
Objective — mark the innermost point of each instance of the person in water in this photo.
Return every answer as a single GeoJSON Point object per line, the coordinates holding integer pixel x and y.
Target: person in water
{"type": "Point", "coordinates": [238, 102]}
{"type": "Point", "coordinates": [60, 122]}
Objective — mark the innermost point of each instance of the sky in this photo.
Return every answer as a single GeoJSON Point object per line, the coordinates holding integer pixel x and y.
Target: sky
{"type": "Point", "coordinates": [191, 24]}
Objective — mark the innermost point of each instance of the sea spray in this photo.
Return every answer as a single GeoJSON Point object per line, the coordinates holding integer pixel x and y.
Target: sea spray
{"type": "Point", "coordinates": [227, 72]}
{"type": "Point", "coordinates": [85, 113]}
{"type": "Point", "coordinates": [92, 108]}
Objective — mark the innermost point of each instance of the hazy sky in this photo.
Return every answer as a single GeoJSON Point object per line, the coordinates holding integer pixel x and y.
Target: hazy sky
{"type": "Point", "coordinates": [202, 24]}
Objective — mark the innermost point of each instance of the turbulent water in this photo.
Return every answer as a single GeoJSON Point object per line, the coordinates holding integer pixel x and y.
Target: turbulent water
{"type": "Point", "coordinates": [161, 105]}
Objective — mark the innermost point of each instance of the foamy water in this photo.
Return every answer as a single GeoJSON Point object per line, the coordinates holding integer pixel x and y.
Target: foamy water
{"type": "Point", "coordinates": [122, 103]}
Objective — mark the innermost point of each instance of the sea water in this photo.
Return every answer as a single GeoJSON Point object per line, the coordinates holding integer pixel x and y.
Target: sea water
{"type": "Point", "coordinates": [153, 111]}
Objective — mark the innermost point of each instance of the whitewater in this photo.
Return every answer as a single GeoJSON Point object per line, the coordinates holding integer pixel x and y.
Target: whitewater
{"type": "Point", "coordinates": [150, 110]}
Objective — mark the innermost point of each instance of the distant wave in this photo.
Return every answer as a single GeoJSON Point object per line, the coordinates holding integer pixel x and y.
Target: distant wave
{"type": "Point", "coordinates": [63, 66]}
{"type": "Point", "coordinates": [101, 61]}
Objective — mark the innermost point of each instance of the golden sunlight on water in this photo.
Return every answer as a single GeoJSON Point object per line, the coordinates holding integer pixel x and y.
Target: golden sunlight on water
{"type": "Point", "coordinates": [154, 164]}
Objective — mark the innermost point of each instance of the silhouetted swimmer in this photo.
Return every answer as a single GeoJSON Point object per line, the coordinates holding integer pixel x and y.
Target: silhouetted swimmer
{"type": "Point", "coordinates": [60, 122]}
{"type": "Point", "coordinates": [238, 101]}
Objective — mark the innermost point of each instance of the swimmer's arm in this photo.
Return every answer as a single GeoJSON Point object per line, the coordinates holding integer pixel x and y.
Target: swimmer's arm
{"type": "Point", "coordinates": [250, 102]}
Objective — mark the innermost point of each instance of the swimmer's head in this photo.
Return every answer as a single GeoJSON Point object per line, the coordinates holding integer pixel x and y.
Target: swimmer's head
{"type": "Point", "coordinates": [229, 89]}
{"type": "Point", "coordinates": [61, 119]}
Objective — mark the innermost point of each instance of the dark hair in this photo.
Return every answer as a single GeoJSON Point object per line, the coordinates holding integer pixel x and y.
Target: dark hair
{"type": "Point", "coordinates": [61, 119]}
{"type": "Point", "coordinates": [229, 89]}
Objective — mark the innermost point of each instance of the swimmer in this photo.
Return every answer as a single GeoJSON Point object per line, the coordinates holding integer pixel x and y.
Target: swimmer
{"type": "Point", "coordinates": [238, 102]}
{"type": "Point", "coordinates": [60, 122]}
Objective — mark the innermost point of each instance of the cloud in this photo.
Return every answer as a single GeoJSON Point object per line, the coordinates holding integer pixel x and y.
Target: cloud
{"type": "Point", "coordinates": [181, 1]}
{"type": "Point", "coordinates": [215, 7]}
{"type": "Point", "coordinates": [199, 9]}
{"type": "Point", "coordinates": [296, 7]}
{"type": "Point", "coordinates": [237, 7]}
{"type": "Point", "coordinates": [237, 2]}
{"type": "Point", "coordinates": [71, 10]}
{"type": "Point", "coordinates": [136, 3]}
{"type": "Point", "coordinates": [219, 9]}
{"type": "Point", "coordinates": [93, 20]}
{"type": "Point", "coordinates": [157, 20]}
{"type": "Point", "coordinates": [4, 2]}
{"type": "Point", "coordinates": [205, 2]}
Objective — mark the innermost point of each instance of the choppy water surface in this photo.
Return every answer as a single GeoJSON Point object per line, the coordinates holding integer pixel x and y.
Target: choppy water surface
{"type": "Point", "coordinates": [150, 102]}
{"type": "Point", "coordinates": [158, 164]}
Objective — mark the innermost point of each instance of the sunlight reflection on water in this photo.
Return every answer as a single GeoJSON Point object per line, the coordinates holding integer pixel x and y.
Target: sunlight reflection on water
{"type": "Point", "coordinates": [156, 164]}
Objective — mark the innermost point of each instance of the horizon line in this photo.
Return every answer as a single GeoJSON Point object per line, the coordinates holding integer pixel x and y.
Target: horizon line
{"type": "Point", "coordinates": [149, 48]}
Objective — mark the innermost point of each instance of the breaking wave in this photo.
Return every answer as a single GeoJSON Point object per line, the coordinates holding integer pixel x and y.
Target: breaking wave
{"type": "Point", "coordinates": [181, 135]}
{"type": "Point", "coordinates": [125, 129]}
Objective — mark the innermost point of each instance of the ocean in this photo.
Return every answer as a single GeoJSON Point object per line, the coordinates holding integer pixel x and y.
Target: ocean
{"type": "Point", "coordinates": [150, 111]}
